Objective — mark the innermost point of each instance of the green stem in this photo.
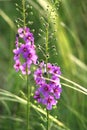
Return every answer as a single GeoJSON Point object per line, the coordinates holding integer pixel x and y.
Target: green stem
{"type": "Point", "coordinates": [24, 17]}
{"type": "Point", "coordinates": [47, 119]}
{"type": "Point", "coordinates": [28, 87]}
{"type": "Point", "coordinates": [28, 103]}
{"type": "Point", "coordinates": [47, 31]}
{"type": "Point", "coordinates": [47, 45]}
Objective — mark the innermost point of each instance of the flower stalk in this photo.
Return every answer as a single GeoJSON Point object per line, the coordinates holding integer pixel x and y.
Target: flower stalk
{"type": "Point", "coordinates": [24, 15]}
{"type": "Point", "coordinates": [47, 33]}
{"type": "Point", "coordinates": [28, 88]}
{"type": "Point", "coordinates": [28, 101]}
{"type": "Point", "coordinates": [47, 119]}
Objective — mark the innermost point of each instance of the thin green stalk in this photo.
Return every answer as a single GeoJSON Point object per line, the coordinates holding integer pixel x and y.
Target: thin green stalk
{"type": "Point", "coordinates": [24, 16]}
{"type": "Point", "coordinates": [47, 45]}
{"type": "Point", "coordinates": [28, 87]}
{"type": "Point", "coordinates": [72, 87]}
{"type": "Point", "coordinates": [47, 119]}
{"type": "Point", "coordinates": [47, 28]}
{"type": "Point", "coordinates": [28, 103]}
{"type": "Point", "coordinates": [79, 86]}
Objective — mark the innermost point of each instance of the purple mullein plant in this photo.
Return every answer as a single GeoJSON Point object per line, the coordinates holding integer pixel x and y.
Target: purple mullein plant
{"type": "Point", "coordinates": [24, 57]}
{"type": "Point", "coordinates": [25, 53]}
{"type": "Point", "coordinates": [48, 92]}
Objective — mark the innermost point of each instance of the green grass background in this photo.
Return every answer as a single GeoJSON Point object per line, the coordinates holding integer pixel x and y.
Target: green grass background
{"type": "Point", "coordinates": [71, 49]}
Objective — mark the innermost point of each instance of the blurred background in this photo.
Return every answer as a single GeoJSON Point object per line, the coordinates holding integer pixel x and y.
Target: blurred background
{"type": "Point", "coordinates": [71, 56]}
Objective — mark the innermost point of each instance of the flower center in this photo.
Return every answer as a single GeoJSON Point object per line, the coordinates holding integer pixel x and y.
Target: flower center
{"type": "Point", "coordinates": [37, 96]}
{"type": "Point", "coordinates": [18, 65]}
{"type": "Point", "coordinates": [55, 71]}
{"type": "Point", "coordinates": [55, 90]}
{"type": "Point", "coordinates": [49, 100]}
{"type": "Point", "coordinates": [29, 55]}
{"type": "Point", "coordinates": [46, 88]}
{"type": "Point", "coordinates": [29, 37]}
{"type": "Point", "coordinates": [24, 49]}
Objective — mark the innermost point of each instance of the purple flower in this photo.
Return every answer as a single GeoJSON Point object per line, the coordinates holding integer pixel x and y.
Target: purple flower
{"type": "Point", "coordinates": [49, 68]}
{"type": "Point", "coordinates": [49, 90]}
{"type": "Point", "coordinates": [25, 53]}
{"type": "Point", "coordinates": [21, 32]}
{"type": "Point", "coordinates": [26, 31]}
{"type": "Point", "coordinates": [25, 68]}
{"type": "Point", "coordinates": [31, 55]}
{"type": "Point", "coordinates": [16, 41]}
{"type": "Point", "coordinates": [49, 101]}
{"type": "Point", "coordinates": [54, 80]}
{"type": "Point", "coordinates": [37, 96]}
{"type": "Point", "coordinates": [41, 65]}
{"type": "Point", "coordinates": [28, 53]}
{"type": "Point", "coordinates": [38, 73]}
{"type": "Point", "coordinates": [17, 53]}
{"type": "Point", "coordinates": [56, 70]}
{"type": "Point", "coordinates": [57, 91]}
{"type": "Point", "coordinates": [45, 89]}
{"type": "Point", "coordinates": [29, 38]}
{"type": "Point", "coordinates": [24, 49]}
{"type": "Point", "coordinates": [17, 65]}
{"type": "Point", "coordinates": [39, 81]}
{"type": "Point", "coordinates": [38, 77]}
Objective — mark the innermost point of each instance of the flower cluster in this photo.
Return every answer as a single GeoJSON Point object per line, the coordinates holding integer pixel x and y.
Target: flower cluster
{"type": "Point", "coordinates": [46, 76]}
{"type": "Point", "coordinates": [48, 91]}
{"type": "Point", "coordinates": [24, 54]}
